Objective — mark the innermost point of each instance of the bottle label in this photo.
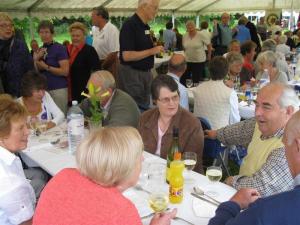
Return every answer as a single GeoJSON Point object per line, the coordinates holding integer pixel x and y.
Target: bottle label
{"type": "Point", "coordinates": [175, 192]}
{"type": "Point", "coordinates": [76, 126]}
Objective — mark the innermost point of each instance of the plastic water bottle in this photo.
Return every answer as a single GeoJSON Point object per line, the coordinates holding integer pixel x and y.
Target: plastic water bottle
{"type": "Point", "coordinates": [75, 120]}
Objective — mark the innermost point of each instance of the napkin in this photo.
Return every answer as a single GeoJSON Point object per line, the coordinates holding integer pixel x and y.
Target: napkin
{"type": "Point", "coordinates": [203, 209]}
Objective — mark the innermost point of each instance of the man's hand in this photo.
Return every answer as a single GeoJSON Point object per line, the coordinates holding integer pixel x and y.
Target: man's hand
{"type": "Point", "coordinates": [163, 218]}
{"type": "Point", "coordinates": [211, 134]}
{"type": "Point", "coordinates": [229, 181]}
{"type": "Point", "coordinates": [157, 49]}
{"type": "Point", "coordinates": [245, 196]}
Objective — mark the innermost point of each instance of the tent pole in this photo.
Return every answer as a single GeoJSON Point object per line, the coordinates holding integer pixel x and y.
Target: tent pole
{"type": "Point", "coordinates": [30, 26]}
{"type": "Point", "coordinates": [291, 22]}
{"type": "Point", "coordinates": [173, 19]}
{"type": "Point", "coordinates": [198, 21]}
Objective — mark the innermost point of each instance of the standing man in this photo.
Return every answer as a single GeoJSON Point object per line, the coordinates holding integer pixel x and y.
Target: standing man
{"type": "Point", "coordinates": [105, 39]}
{"type": "Point", "coordinates": [137, 53]}
{"type": "Point", "coordinates": [222, 33]}
{"type": "Point", "coordinates": [169, 37]}
{"type": "Point", "coordinates": [177, 66]}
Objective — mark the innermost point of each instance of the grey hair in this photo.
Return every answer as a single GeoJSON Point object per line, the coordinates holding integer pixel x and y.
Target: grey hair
{"type": "Point", "coordinates": [289, 98]}
{"type": "Point", "coordinates": [282, 39]}
{"type": "Point", "coordinates": [269, 57]}
{"type": "Point", "coordinates": [233, 57]}
{"type": "Point", "coordinates": [179, 67]}
{"type": "Point", "coordinates": [190, 22]}
{"type": "Point", "coordinates": [106, 78]}
{"type": "Point", "coordinates": [142, 2]}
{"type": "Point", "coordinates": [268, 45]}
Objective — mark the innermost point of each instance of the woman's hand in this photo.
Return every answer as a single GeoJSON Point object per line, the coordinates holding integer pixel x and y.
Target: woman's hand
{"type": "Point", "coordinates": [163, 218]}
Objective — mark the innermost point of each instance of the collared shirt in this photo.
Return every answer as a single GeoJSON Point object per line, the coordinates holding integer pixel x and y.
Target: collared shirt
{"type": "Point", "coordinates": [226, 33]}
{"type": "Point", "coordinates": [105, 108]}
{"type": "Point", "coordinates": [106, 40]}
{"type": "Point", "coordinates": [17, 198]}
{"type": "Point", "coordinates": [297, 180]}
{"type": "Point", "coordinates": [278, 134]}
{"type": "Point", "coordinates": [169, 39]}
{"type": "Point", "coordinates": [135, 36]}
{"type": "Point", "coordinates": [184, 98]}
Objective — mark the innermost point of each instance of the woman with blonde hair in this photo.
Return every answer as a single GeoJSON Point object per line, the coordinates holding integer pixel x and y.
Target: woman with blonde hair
{"type": "Point", "coordinates": [17, 198]}
{"type": "Point", "coordinates": [83, 61]}
{"type": "Point", "coordinates": [108, 162]}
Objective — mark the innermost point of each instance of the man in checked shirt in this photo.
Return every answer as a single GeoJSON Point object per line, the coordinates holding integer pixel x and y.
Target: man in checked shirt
{"type": "Point", "coordinates": [265, 167]}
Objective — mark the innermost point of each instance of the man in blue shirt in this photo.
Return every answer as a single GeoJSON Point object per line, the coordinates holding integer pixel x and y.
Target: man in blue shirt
{"type": "Point", "coordinates": [177, 66]}
{"type": "Point", "coordinates": [280, 209]}
{"type": "Point", "coordinates": [169, 37]}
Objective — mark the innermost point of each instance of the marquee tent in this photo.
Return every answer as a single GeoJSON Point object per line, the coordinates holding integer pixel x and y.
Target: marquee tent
{"type": "Point", "coordinates": [60, 8]}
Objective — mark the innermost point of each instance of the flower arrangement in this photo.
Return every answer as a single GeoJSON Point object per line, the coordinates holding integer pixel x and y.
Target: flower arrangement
{"type": "Point", "coordinates": [95, 100]}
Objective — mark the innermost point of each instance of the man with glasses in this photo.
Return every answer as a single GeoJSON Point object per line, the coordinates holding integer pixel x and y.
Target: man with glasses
{"type": "Point", "coordinates": [137, 53]}
{"type": "Point", "coordinates": [156, 125]}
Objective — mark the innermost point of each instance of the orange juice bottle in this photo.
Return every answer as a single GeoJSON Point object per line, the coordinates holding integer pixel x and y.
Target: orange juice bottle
{"type": "Point", "coordinates": [176, 181]}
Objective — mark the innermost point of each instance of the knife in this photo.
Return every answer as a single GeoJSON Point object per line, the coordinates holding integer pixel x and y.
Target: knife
{"type": "Point", "coordinates": [204, 199]}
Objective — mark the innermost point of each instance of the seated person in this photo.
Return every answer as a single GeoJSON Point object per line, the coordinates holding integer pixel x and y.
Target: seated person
{"type": "Point", "coordinates": [235, 63]}
{"type": "Point", "coordinates": [248, 70]}
{"type": "Point", "coordinates": [277, 209]}
{"type": "Point", "coordinates": [156, 125]}
{"type": "Point", "coordinates": [213, 100]}
{"type": "Point", "coordinates": [17, 197]}
{"type": "Point", "coordinates": [176, 68]}
{"type": "Point", "coordinates": [109, 161]}
{"type": "Point", "coordinates": [37, 101]}
{"type": "Point", "coordinates": [119, 108]}
{"type": "Point", "coordinates": [234, 46]}
{"type": "Point", "coordinates": [266, 62]}
{"type": "Point", "coordinates": [264, 167]}
{"type": "Point", "coordinates": [282, 47]}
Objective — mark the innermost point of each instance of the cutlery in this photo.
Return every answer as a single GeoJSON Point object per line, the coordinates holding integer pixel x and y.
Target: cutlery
{"type": "Point", "coordinates": [179, 218]}
{"type": "Point", "coordinates": [140, 188]}
{"type": "Point", "coordinates": [204, 199]}
{"type": "Point", "coordinates": [199, 191]}
{"type": "Point", "coordinates": [55, 141]}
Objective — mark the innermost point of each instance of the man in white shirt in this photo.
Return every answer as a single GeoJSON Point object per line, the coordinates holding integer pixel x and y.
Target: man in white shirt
{"type": "Point", "coordinates": [177, 66]}
{"type": "Point", "coordinates": [105, 38]}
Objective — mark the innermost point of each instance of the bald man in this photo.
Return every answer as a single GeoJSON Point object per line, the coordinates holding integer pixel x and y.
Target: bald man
{"type": "Point", "coordinates": [137, 53]}
{"type": "Point", "coordinates": [177, 66]}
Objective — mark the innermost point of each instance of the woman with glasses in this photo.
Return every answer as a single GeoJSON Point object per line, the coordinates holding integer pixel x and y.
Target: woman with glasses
{"type": "Point", "coordinates": [156, 125]}
{"type": "Point", "coordinates": [15, 59]}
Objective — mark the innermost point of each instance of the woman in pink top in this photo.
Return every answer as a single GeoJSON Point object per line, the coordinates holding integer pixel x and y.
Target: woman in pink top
{"type": "Point", "coordinates": [109, 161]}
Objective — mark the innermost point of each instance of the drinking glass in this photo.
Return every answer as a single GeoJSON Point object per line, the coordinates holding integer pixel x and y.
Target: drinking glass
{"type": "Point", "coordinates": [190, 160]}
{"type": "Point", "coordinates": [214, 175]}
{"type": "Point", "coordinates": [189, 83]}
{"type": "Point", "coordinates": [158, 198]}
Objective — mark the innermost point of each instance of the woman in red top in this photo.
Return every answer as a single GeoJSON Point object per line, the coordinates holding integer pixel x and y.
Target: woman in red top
{"type": "Point", "coordinates": [109, 162]}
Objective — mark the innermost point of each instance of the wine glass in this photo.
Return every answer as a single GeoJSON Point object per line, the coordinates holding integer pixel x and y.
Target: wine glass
{"type": "Point", "coordinates": [189, 83]}
{"type": "Point", "coordinates": [190, 160]}
{"type": "Point", "coordinates": [33, 122]}
{"type": "Point", "coordinates": [214, 175]}
{"type": "Point", "coordinates": [159, 201]}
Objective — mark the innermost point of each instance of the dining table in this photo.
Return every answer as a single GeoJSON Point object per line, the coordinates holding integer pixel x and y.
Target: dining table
{"type": "Point", "coordinates": [50, 152]}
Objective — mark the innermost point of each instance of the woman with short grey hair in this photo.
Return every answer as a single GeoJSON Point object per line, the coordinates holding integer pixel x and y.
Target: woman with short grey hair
{"type": "Point", "coordinates": [267, 63]}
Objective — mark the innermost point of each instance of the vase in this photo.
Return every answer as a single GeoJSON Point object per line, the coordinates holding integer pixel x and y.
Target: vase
{"type": "Point", "coordinates": [92, 124]}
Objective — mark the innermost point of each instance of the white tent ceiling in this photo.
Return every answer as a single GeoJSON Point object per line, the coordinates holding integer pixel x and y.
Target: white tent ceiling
{"type": "Point", "coordinates": [60, 8]}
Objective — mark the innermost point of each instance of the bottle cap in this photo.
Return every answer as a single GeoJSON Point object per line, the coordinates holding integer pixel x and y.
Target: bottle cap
{"type": "Point", "coordinates": [177, 156]}
{"type": "Point", "coordinates": [74, 102]}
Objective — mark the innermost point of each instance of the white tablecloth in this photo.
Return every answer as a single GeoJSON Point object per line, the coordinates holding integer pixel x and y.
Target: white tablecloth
{"type": "Point", "coordinates": [53, 159]}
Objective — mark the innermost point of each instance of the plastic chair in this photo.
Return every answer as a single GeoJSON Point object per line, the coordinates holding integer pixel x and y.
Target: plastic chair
{"type": "Point", "coordinates": [213, 148]}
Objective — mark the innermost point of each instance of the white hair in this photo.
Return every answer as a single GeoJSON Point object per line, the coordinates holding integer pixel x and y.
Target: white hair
{"type": "Point", "coordinates": [269, 57]}
{"type": "Point", "coordinates": [106, 78]}
{"type": "Point", "coordinates": [289, 98]}
{"type": "Point", "coordinates": [282, 39]}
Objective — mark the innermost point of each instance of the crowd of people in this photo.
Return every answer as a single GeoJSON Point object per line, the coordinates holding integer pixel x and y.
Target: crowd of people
{"type": "Point", "coordinates": [140, 113]}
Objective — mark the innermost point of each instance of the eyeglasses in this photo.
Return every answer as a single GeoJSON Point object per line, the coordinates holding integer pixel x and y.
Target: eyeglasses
{"type": "Point", "coordinates": [6, 25]}
{"type": "Point", "coordinates": [174, 98]}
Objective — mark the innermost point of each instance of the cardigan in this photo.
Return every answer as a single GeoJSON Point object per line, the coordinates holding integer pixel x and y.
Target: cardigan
{"type": "Point", "coordinates": [191, 136]}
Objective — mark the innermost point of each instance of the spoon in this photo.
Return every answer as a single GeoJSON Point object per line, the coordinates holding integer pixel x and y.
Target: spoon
{"type": "Point", "coordinates": [200, 192]}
